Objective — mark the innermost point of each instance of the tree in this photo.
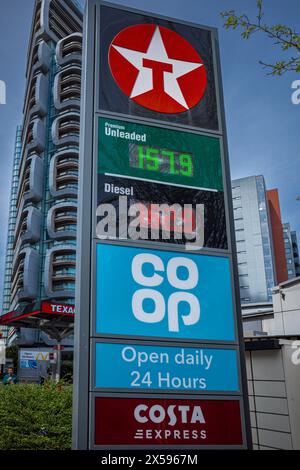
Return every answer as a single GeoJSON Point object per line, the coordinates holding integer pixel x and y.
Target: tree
{"type": "Point", "coordinates": [286, 38]}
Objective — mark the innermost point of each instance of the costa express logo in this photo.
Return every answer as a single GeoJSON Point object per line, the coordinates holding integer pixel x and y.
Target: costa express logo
{"type": "Point", "coordinates": [157, 68]}
{"type": "Point", "coordinates": [173, 415]}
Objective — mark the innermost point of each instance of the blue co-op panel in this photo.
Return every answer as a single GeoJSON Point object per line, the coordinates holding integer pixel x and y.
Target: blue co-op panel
{"type": "Point", "coordinates": [174, 368]}
{"type": "Point", "coordinates": [153, 293]}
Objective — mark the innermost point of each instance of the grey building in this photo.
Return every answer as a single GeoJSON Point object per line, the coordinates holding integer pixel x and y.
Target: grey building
{"type": "Point", "coordinates": [41, 249]}
{"type": "Point", "coordinates": [253, 240]}
{"type": "Point", "coordinates": [291, 251]}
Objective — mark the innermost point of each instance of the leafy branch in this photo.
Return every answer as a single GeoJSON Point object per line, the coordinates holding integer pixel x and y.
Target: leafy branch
{"type": "Point", "coordinates": [286, 38]}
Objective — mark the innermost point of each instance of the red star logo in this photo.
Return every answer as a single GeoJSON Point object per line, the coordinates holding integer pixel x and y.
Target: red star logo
{"type": "Point", "coordinates": [157, 68]}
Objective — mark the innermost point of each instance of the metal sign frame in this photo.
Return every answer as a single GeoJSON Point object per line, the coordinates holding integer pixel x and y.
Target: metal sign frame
{"type": "Point", "coordinates": [84, 393]}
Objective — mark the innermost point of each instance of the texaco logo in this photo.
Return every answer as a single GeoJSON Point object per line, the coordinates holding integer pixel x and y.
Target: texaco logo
{"type": "Point", "coordinates": [157, 68]}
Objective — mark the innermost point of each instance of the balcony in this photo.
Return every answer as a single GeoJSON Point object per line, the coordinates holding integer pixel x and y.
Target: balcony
{"type": "Point", "coordinates": [61, 221]}
{"type": "Point", "coordinates": [69, 50]}
{"type": "Point", "coordinates": [28, 226]}
{"type": "Point", "coordinates": [36, 102]}
{"type": "Point", "coordinates": [59, 274]}
{"type": "Point", "coordinates": [65, 130]}
{"type": "Point", "coordinates": [63, 275]}
{"type": "Point", "coordinates": [25, 276]}
{"type": "Point", "coordinates": [66, 216]}
{"type": "Point", "coordinates": [33, 139]}
{"type": "Point", "coordinates": [67, 88]}
{"type": "Point", "coordinates": [41, 58]}
{"type": "Point", "coordinates": [64, 260]}
{"type": "Point", "coordinates": [63, 174]}
{"type": "Point", "coordinates": [31, 184]}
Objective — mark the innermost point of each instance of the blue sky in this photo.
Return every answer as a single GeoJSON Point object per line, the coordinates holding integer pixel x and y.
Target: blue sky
{"type": "Point", "coordinates": [262, 122]}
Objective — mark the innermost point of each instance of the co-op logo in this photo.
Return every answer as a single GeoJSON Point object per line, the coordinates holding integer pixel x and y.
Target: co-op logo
{"type": "Point", "coordinates": [170, 306]}
{"type": "Point", "coordinates": [157, 68]}
{"type": "Point", "coordinates": [157, 414]}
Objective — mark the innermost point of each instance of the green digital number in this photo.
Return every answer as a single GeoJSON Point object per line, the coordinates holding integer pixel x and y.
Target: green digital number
{"type": "Point", "coordinates": [186, 164]}
{"type": "Point", "coordinates": [152, 159]}
{"type": "Point", "coordinates": [149, 159]}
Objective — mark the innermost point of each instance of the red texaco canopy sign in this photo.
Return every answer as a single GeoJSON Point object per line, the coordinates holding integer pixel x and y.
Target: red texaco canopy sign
{"type": "Point", "coordinates": [157, 68]}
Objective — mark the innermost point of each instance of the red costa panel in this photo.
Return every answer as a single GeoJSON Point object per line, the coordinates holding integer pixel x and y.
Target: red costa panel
{"type": "Point", "coordinates": [142, 421]}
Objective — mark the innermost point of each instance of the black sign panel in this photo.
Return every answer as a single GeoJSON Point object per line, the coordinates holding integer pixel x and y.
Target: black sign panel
{"type": "Point", "coordinates": [121, 201]}
{"type": "Point", "coordinates": [125, 49]}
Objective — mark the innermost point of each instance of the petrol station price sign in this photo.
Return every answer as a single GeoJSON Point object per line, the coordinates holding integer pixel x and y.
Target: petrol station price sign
{"type": "Point", "coordinates": [153, 212]}
{"type": "Point", "coordinates": [159, 355]}
{"type": "Point", "coordinates": [161, 154]}
{"type": "Point", "coordinates": [162, 174]}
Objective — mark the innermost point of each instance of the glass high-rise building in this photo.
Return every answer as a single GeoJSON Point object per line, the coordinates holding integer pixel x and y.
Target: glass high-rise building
{"type": "Point", "coordinates": [41, 249]}
{"type": "Point", "coordinates": [291, 251]}
{"type": "Point", "coordinates": [254, 244]}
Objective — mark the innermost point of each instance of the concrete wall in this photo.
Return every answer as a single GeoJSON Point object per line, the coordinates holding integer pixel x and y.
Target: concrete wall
{"type": "Point", "coordinates": [274, 395]}
{"type": "Point", "coordinates": [286, 307]}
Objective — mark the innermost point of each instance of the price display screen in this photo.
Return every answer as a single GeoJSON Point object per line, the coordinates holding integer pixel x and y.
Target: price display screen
{"type": "Point", "coordinates": [151, 153]}
{"type": "Point", "coordinates": [159, 160]}
{"type": "Point", "coordinates": [153, 201]}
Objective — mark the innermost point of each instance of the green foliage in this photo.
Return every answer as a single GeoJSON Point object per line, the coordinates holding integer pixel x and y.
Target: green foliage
{"type": "Point", "coordinates": [67, 372]}
{"type": "Point", "coordinates": [34, 417]}
{"type": "Point", "coordinates": [284, 37]}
